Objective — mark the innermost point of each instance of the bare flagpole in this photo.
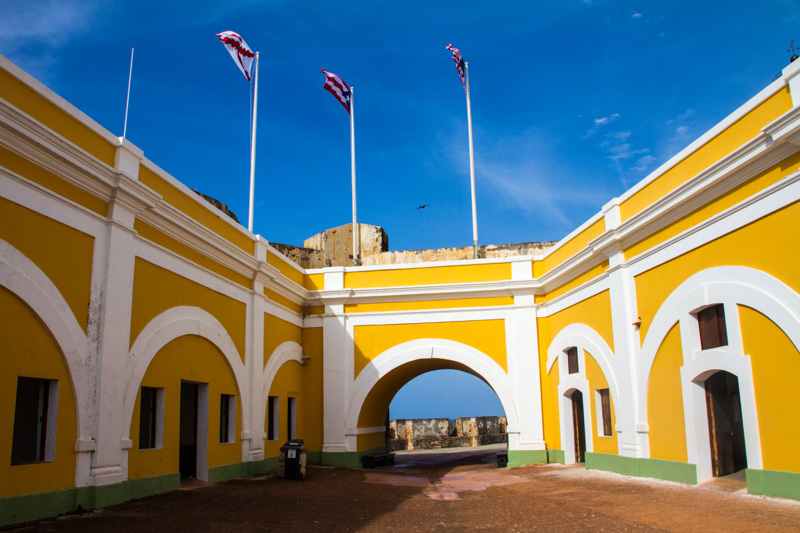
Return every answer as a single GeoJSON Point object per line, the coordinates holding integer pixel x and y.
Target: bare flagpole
{"type": "Point", "coordinates": [356, 237]}
{"type": "Point", "coordinates": [471, 168]}
{"type": "Point", "coordinates": [253, 151]}
{"type": "Point", "coordinates": [128, 99]}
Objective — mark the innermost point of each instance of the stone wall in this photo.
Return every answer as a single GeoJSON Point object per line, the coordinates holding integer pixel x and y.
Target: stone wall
{"type": "Point", "coordinates": [334, 247]}
{"type": "Point", "coordinates": [433, 433]}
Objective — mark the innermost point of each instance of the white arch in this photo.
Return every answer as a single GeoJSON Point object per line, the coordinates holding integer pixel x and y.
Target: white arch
{"type": "Point", "coordinates": [731, 286]}
{"type": "Point", "coordinates": [285, 352]}
{"type": "Point", "coordinates": [168, 326]}
{"type": "Point", "coordinates": [585, 339]}
{"type": "Point", "coordinates": [24, 278]}
{"type": "Point", "coordinates": [421, 349]}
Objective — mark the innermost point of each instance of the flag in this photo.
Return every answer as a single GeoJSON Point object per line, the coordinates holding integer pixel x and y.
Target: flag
{"type": "Point", "coordinates": [239, 51]}
{"type": "Point", "coordinates": [338, 88]}
{"type": "Point", "coordinates": [459, 63]}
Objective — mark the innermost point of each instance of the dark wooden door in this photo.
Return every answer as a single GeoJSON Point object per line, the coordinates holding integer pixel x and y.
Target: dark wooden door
{"type": "Point", "coordinates": [578, 427]}
{"type": "Point", "coordinates": [725, 425]}
{"type": "Point", "coordinates": [187, 461]}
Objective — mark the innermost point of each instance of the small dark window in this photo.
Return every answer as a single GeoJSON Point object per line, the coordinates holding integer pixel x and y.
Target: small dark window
{"type": "Point", "coordinates": [572, 360]}
{"type": "Point", "coordinates": [272, 418]}
{"type": "Point", "coordinates": [605, 405]}
{"type": "Point", "coordinates": [148, 418]}
{"type": "Point", "coordinates": [31, 412]}
{"type": "Point", "coordinates": [226, 418]}
{"type": "Point", "coordinates": [713, 332]}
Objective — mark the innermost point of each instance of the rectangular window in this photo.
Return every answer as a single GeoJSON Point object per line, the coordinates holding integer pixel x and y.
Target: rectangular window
{"type": "Point", "coordinates": [572, 360]}
{"type": "Point", "coordinates": [604, 412]}
{"type": "Point", "coordinates": [273, 416]}
{"type": "Point", "coordinates": [291, 429]}
{"type": "Point", "coordinates": [227, 418]}
{"type": "Point", "coordinates": [713, 332]}
{"type": "Point", "coordinates": [151, 418]}
{"type": "Point", "coordinates": [34, 421]}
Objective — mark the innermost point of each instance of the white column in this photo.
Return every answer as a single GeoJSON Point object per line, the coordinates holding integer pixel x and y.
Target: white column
{"type": "Point", "coordinates": [631, 438]}
{"type": "Point", "coordinates": [253, 430]}
{"type": "Point", "coordinates": [111, 321]}
{"type": "Point", "coordinates": [523, 365]}
{"type": "Point", "coordinates": [335, 380]}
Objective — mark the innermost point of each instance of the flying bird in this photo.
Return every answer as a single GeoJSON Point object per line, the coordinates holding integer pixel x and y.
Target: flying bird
{"type": "Point", "coordinates": [422, 207]}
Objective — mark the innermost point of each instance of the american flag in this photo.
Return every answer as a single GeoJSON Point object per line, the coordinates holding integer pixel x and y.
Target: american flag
{"type": "Point", "coordinates": [338, 88]}
{"type": "Point", "coordinates": [459, 63]}
{"type": "Point", "coordinates": [240, 52]}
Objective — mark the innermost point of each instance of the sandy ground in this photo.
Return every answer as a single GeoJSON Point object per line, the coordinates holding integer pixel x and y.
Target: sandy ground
{"type": "Point", "coordinates": [453, 491]}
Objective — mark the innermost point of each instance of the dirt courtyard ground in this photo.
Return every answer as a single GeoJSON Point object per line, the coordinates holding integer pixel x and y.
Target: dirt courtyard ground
{"type": "Point", "coordinates": [455, 491]}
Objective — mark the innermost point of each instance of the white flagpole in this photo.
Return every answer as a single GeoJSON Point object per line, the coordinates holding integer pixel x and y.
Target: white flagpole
{"type": "Point", "coordinates": [471, 168]}
{"type": "Point", "coordinates": [128, 99]}
{"type": "Point", "coordinates": [253, 151]}
{"type": "Point", "coordinates": [356, 238]}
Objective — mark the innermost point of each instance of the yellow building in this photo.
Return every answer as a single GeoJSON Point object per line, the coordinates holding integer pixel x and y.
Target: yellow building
{"type": "Point", "coordinates": [146, 336]}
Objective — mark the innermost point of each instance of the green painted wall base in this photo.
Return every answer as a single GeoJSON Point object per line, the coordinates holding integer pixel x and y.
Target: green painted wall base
{"type": "Point", "coordinates": [526, 457]}
{"type": "Point", "coordinates": [348, 459]}
{"type": "Point", "coordinates": [641, 467]}
{"type": "Point", "coordinates": [27, 507]}
{"type": "Point", "coordinates": [773, 483]}
{"type": "Point", "coordinates": [556, 456]}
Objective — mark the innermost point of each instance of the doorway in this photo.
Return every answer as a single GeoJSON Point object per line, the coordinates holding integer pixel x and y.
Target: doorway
{"type": "Point", "coordinates": [187, 462]}
{"type": "Point", "coordinates": [578, 426]}
{"type": "Point", "coordinates": [725, 425]}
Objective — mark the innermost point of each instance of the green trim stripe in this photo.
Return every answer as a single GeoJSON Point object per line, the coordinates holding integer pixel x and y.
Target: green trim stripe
{"type": "Point", "coordinates": [773, 483]}
{"type": "Point", "coordinates": [643, 467]}
{"type": "Point", "coordinates": [348, 459]}
{"type": "Point", "coordinates": [526, 457]}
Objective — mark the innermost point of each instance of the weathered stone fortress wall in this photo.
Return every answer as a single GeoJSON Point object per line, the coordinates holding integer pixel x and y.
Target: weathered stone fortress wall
{"type": "Point", "coordinates": [430, 433]}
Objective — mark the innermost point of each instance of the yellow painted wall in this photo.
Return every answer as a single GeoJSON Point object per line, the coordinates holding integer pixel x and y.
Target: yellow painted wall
{"type": "Point", "coordinates": [427, 276]}
{"type": "Point", "coordinates": [568, 249]}
{"type": "Point", "coordinates": [550, 420]}
{"type": "Point", "coordinates": [314, 282]}
{"type": "Point", "coordinates": [33, 355]}
{"type": "Point", "coordinates": [776, 367]}
{"type": "Point", "coordinates": [760, 245]}
{"type": "Point", "coordinates": [64, 254]}
{"type": "Point", "coordinates": [487, 336]}
{"type": "Point", "coordinates": [574, 283]}
{"type": "Point", "coordinates": [282, 264]}
{"type": "Point", "coordinates": [42, 109]}
{"type": "Point", "coordinates": [282, 301]}
{"type": "Point", "coordinates": [192, 206]}
{"type": "Point", "coordinates": [288, 382]}
{"type": "Point", "coordinates": [371, 441]}
{"type": "Point", "coordinates": [731, 138]}
{"type": "Point", "coordinates": [597, 380]}
{"type": "Point", "coordinates": [152, 234]}
{"type": "Point", "coordinates": [187, 358]}
{"type": "Point", "coordinates": [313, 407]}
{"type": "Point", "coordinates": [48, 180]}
{"type": "Point", "coordinates": [733, 197]}
{"type": "Point", "coordinates": [156, 290]}
{"type": "Point", "coordinates": [665, 414]}
{"type": "Point", "coordinates": [593, 312]}
{"type": "Point", "coordinates": [276, 332]}
{"type": "Point", "coordinates": [452, 303]}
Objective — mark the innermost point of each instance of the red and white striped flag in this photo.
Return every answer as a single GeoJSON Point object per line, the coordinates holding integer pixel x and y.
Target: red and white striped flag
{"type": "Point", "coordinates": [459, 63]}
{"type": "Point", "coordinates": [239, 51]}
{"type": "Point", "coordinates": [338, 88]}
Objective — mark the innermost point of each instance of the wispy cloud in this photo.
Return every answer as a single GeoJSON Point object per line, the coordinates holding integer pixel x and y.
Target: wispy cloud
{"type": "Point", "coordinates": [599, 123]}
{"type": "Point", "coordinates": [36, 31]}
{"type": "Point", "coordinates": [636, 16]}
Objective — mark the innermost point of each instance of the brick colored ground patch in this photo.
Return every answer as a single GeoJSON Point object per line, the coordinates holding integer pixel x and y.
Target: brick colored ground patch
{"type": "Point", "coordinates": [454, 492]}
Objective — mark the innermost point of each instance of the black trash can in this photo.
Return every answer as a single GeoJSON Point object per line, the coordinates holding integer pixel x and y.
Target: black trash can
{"type": "Point", "coordinates": [293, 459]}
{"type": "Point", "coordinates": [502, 459]}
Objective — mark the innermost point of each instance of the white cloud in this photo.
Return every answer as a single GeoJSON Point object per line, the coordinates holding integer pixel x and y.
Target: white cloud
{"type": "Point", "coordinates": [636, 16]}
{"type": "Point", "coordinates": [599, 123]}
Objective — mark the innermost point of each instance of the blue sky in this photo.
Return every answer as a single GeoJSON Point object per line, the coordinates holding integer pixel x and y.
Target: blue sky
{"type": "Point", "coordinates": [573, 102]}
